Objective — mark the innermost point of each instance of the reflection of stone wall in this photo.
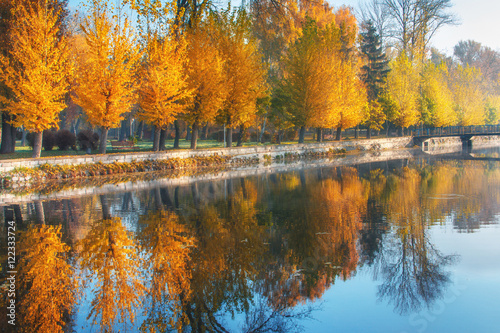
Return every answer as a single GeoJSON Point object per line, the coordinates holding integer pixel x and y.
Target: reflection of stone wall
{"type": "Point", "coordinates": [237, 152]}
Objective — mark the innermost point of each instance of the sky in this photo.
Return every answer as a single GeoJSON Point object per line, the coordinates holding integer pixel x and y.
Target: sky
{"type": "Point", "coordinates": [478, 21]}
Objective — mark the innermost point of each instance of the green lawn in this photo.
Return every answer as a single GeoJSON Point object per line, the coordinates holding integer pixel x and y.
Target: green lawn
{"type": "Point", "coordinates": [26, 151]}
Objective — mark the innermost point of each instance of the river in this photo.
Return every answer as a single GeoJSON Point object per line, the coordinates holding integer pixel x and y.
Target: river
{"type": "Point", "coordinates": [408, 245]}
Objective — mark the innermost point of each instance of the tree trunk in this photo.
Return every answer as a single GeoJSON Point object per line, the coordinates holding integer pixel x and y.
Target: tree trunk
{"type": "Point", "coordinates": [194, 135]}
{"type": "Point", "coordinates": [230, 137]}
{"type": "Point", "coordinates": [106, 212]}
{"type": "Point", "coordinates": [387, 130]}
{"type": "Point", "coordinates": [280, 134]}
{"type": "Point", "coordinates": [188, 133]}
{"type": "Point", "coordinates": [177, 134]}
{"type": "Point", "coordinates": [75, 125]}
{"type": "Point", "coordinates": [8, 145]}
{"type": "Point", "coordinates": [23, 138]}
{"type": "Point", "coordinates": [39, 212]}
{"type": "Point", "coordinates": [163, 137]}
{"type": "Point", "coordinates": [263, 130]}
{"type": "Point", "coordinates": [368, 133]}
{"type": "Point", "coordinates": [123, 131]}
{"type": "Point", "coordinates": [140, 130]}
{"type": "Point", "coordinates": [156, 140]}
{"type": "Point", "coordinates": [302, 134]}
{"type": "Point", "coordinates": [400, 131]}
{"type": "Point", "coordinates": [204, 133]}
{"type": "Point", "coordinates": [240, 136]}
{"type": "Point", "coordinates": [319, 133]}
{"type": "Point", "coordinates": [103, 140]}
{"type": "Point", "coordinates": [356, 132]}
{"type": "Point", "coordinates": [339, 134]}
{"type": "Point", "coordinates": [37, 144]}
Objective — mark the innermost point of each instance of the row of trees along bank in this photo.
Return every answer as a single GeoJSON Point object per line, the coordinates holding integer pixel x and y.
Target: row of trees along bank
{"type": "Point", "coordinates": [277, 64]}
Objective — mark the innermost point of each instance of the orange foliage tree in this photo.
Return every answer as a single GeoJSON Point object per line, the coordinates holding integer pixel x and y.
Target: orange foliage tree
{"type": "Point", "coordinates": [106, 73]}
{"type": "Point", "coordinates": [163, 89]}
{"type": "Point", "coordinates": [205, 70]}
{"type": "Point", "coordinates": [243, 70]}
{"type": "Point", "coordinates": [37, 68]}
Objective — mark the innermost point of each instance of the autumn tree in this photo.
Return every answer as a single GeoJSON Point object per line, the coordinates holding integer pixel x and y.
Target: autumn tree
{"type": "Point", "coordinates": [307, 81]}
{"type": "Point", "coordinates": [373, 74]}
{"type": "Point", "coordinates": [205, 77]}
{"type": "Point", "coordinates": [163, 89]}
{"type": "Point", "coordinates": [8, 144]}
{"type": "Point", "coordinates": [436, 99]}
{"type": "Point", "coordinates": [47, 283]}
{"type": "Point", "coordinates": [243, 71]}
{"type": "Point", "coordinates": [106, 73]}
{"type": "Point", "coordinates": [350, 96]}
{"type": "Point", "coordinates": [36, 69]}
{"type": "Point", "coordinates": [468, 95]}
{"type": "Point", "coordinates": [109, 258]}
{"type": "Point", "coordinates": [400, 92]}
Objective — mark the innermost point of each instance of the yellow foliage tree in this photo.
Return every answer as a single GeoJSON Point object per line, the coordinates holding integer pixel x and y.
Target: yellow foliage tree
{"type": "Point", "coordinates": [163, 89]}
{"type": "Point", "coordinates": [436, 100]}
{"type": "Point", "coordinates": [109, 256]}
{"type": "Point", "coordinates": [400, 96]}
{"type": "Point", "coordinates": [106, 73]}
{"type": "Point", "coordinates": [308, 80]}
{"type": "Point", "coordinates": [468, 96]}
{"type": "Point", "coordinates": [206, 78]}
{"type": "Point", "coordinates": [37, 69]}
{"type": "Point", "coordinates": [47, 282]}
{"type": "Point", "coordinates": [243, 69]}
{"type": "Point", "coordinates": [349, 96]}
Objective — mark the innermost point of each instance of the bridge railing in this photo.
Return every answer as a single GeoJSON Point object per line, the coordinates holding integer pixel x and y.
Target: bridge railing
{"type": "Point", "coordinates": [455, 130]}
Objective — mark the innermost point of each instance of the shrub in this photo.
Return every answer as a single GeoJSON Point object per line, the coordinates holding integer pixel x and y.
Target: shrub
{"type": "Point", "coordinates": [266, 137]}
{"type": "Point", "coordinates": [30, 139]}
{"type": "Point", "coordinates": [48, 140]}
{"type": "Point", "coordinates": [290, 134]}
{"type": "Point", "coordinates": [87, 139]}
{"type": "Point", "coordinates": [65, 139]}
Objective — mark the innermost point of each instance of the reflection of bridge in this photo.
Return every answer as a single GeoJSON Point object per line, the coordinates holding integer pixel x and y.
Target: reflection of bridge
{"type": "Point", "coordinates": [471, 157]}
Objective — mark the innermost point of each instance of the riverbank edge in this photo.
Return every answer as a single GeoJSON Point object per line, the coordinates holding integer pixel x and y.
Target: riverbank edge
{"type": "Point", "coordinates": [71, 188]}
{"type": "Point", "coordinates": [28, 170]}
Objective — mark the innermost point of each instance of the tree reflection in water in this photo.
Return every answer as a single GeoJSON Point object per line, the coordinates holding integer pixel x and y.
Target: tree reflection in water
{"type": "Point", "coordinates": [413, 270]}
{"type": "Point", "coordinates": [47, 287]}
{"type": "Point", "coordinates": [108, 260]}
{"type": "Point", "coordinates": [167, 247]}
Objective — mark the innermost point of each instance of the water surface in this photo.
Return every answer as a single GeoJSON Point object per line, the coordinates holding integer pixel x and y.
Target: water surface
{"type": "Point", "coordinates": [400, 246]}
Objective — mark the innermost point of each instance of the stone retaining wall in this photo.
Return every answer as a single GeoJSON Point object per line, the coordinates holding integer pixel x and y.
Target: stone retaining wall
{"type": "Point", "coordinates": [235, 152]}
{"type": "Point", "coordinates": [14, 197]}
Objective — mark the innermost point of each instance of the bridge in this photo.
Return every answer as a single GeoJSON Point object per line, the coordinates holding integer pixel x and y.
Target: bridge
{"type": "Point", "coordinates": [428, 137]}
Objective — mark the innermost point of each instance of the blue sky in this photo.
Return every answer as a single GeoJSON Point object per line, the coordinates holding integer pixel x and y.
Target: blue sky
{"type": "Point", "coordinates": [479, 21]}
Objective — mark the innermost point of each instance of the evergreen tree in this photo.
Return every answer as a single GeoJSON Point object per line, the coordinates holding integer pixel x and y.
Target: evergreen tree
{"type": "Point", "coordinates": [374, 73]}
